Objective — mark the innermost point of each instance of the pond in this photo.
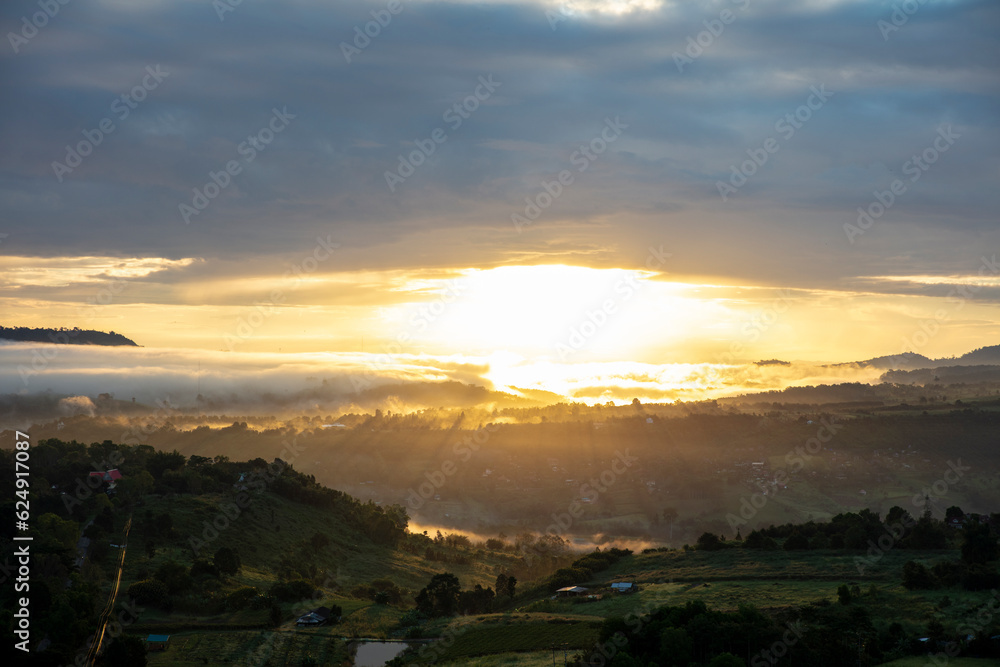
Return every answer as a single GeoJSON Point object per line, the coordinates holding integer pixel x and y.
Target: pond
{"type": "Point", "coordinates": [375, 653]}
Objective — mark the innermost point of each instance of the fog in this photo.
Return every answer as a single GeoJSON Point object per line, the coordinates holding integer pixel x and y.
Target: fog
{"type": "Point", "coordinates": [45, 381]}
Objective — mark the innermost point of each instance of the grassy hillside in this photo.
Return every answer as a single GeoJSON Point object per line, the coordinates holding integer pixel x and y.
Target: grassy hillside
{"type": "Point", "coordinates": [273, 537]}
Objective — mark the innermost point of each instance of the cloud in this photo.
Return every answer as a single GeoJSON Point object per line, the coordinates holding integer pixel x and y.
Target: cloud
{"type": "Point", "coordinates": [325, 172]}
{"type": "Point", "coordinates": [77, 405]}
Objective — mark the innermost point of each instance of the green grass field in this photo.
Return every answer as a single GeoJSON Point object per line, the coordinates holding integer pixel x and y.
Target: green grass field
{"type": "Point", "coordinates": [952, 662]}
{"type": "Point", "coordinates": [529, 659]}
{"type": "Point", "coordinates": [260, 648]}
{"type": "Point", "coordinates": [513, 633]}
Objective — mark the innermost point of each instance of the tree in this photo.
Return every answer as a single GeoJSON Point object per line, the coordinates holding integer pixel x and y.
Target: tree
{"type": "Point", "coordinates": [954, 512]}
{"type": "Point", "coordinates": [796, 541]}
{"type": "Point", "coordinates": [274, 616]}
{"type": "Point", "coordinates": [227, 560]}
{"type": "Point", "coordinates": [896, 515]}
{"type": "Point", "coordinates": [127, 651]}
{"type": "Point", "coordinates": [981, 578]}
{"type": "Point", "coordinates": [440, 596]}
{"type": "Point", "coordinates": [318, 541]}
{"type": "Point", "coordinates": [726, 660]}
{"type": "Point", "coordinates": [292, 591]}
{"type": "Point", "coordinates": [511, 586]}
{"type": "Point", "coordinates": [670, 515]}
{"type": "Point", "coordinates": [927, 534]}
{"type": "Point", "coordinates": [150, 591]}
{"type": "Point", "coordinates": [175, 576]}
{"type": "Point", "coordinates": [844, 594]}
{"type": "Point", "coordinates": [979, 544]}
{"type": "Point", "coordinates": [506, 585]}
{"type": "Point", "coordinates": [676, 647]}
{"type": "Point", "coordinates": [709, 542]}
{"type": "Point", "coordinates": [131, 489]}
{"type": "Point", "coordinates": [203, 567]}
{"type": "Point", "coordinates": [917, 577]}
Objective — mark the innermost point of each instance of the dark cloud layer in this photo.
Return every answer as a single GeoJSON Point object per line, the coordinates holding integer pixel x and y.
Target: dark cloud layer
{"type": "Point", "coordinates": [324, 173]}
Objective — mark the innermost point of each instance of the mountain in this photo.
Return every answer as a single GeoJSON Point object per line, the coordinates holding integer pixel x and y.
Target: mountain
{"type": "Point", "coordinates": [63, 336]}
{"type": "Point", "coordinates": [944, 374]}
{"type": "Point", "coordinates": [983, 355]}
{"type": "Point", "coordinates": [911, 361]}
{"type": "Point", "coordinates": [907, 361]}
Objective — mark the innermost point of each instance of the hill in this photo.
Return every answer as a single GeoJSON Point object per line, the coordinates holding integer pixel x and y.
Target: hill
{"type": "Point", "coordinates": [63, 336]}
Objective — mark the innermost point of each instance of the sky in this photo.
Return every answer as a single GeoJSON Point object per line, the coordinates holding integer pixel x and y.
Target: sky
{"type": "Point", "coordinates": [550, 194]}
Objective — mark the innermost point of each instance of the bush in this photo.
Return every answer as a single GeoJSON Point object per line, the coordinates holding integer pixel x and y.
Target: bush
{"type": "Point", "coordinates": [227, 560]}
{"type": "Point", "coordinates": [709, 542]}
{"type": "Point", "coordinates": [149, 592]}
{"type": "Point", "coordinates": [292, 591]}
{"type": "Point", "coordinates": [202, 567]}
{"type": "Point", "coordinates": [175, 576]}
{"type": "Point", "coordinates": [796, 542]}
{"type": "Point", "coordinates": [981, 578]}
{"type": "Point", "coordinates": [949, 572]}
{"type": "Point", "coordinates": [917, 577]}
{"type": "Point", "coordinates": [244, 598]}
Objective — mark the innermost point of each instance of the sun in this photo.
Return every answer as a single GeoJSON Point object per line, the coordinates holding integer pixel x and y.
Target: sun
{"type": "Point", "coordinates": [554, 311]}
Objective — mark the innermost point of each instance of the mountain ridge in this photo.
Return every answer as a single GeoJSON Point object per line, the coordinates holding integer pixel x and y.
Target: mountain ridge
{"type": "Point", "coordinates": [64, 336]}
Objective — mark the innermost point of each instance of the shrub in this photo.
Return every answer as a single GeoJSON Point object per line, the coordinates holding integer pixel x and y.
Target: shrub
{"type": "Point", "coordinates": [917, 577]}
{"type": "Point", "coordinates": [796, 542]}
{"type": "Point", "coordinates": [150, 591]}
{"type": "Point", "coordinates": [981, 578]}
{"type": "Point", "coordinates": [203, 567]}
{"type": "Point", "coordinates": [292, 591]}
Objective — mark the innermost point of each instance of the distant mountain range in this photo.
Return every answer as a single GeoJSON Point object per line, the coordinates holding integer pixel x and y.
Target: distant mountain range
{"type": "Point", "coordinates": [911, 361]}
{"type": "Point", "coordinates": [63, 336]}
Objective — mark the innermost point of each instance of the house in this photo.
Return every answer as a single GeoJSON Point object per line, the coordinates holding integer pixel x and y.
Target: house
{"type": "Point", "coordinates": [109, 476]}
{"type": "Point", "coordinates": [157, 642]}
{"type": "Point", "coordinates": [317, 616]}
{"type": "Point", "coordinates": [571, 590]}
{"type": "Point", "coordinates": [623, 587]}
